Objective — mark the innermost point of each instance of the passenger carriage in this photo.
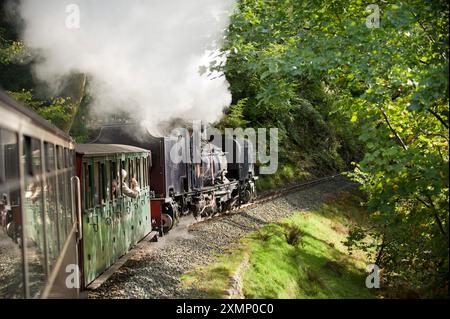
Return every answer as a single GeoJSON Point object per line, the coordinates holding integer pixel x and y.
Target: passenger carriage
{"type": "Point", "coordinates": [112, 222]}
{"type": "Point", "coordinates": [39, 236]}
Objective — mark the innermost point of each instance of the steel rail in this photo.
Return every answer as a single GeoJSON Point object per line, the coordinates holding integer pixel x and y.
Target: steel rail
{"type": "Point", "coordinates": [263, 198]}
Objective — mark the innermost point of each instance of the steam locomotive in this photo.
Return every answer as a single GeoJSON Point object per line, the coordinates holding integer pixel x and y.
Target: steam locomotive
{"type": "Point", "coordinates": [64, 208]}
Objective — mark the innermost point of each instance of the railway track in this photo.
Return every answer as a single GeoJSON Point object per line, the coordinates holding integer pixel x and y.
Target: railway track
{"type": "Point", "coordinates": [264, 197]}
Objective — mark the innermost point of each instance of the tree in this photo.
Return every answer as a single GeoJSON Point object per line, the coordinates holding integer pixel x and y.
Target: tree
{"type": "Point", "coordinates": [391, 82]}
{"type": "Point", "coordinates": [8, 49]}
{"type": "Point", "coordinates": [16, 77]}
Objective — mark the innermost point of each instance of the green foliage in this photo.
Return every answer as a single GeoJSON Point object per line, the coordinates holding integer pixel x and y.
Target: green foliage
{"type": "Point", "coordinates": [57, 111]}
{"type": "Point", "coordinates": [316, 71]}
{"type": "Point", "coordinates": [80, 130]}
{"type": "Point", "coordinates": [16, 77]}
{"type": "Point", "coordinates": [9, 50]}
{"type": "Point", "coordinates": [271, 92]}
{"type": "Point", "coordinates": [234, 116]}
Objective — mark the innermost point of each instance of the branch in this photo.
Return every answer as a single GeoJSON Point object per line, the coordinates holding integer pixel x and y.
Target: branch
{"type": "Point", "coordinates": [399, 139]}
{"type": "Point", "coordinates": [443, 122]}
{"type": "Point", "coordinates": [427, 34]}
{"type": "Point", "coordinates": [380, 252]}
{"type": "Point", "coordinates": [435, 215]}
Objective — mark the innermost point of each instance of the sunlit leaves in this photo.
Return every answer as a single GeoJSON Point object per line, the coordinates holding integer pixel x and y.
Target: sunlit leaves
{"type": "Point", "coordinates": [57, 111]}
{"type": "Point", "coordinates": [392, 84]}
{"type": "Point", "coordinates": [9, 49]}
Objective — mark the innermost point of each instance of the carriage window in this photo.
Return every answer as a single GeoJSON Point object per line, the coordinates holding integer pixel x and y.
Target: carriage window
{"type": "Point", "coordinates": [61, 195]}
{"type": "Point", "coordinates": [51, 219]}
{"type": "Point", "coordinates": [124, 166]}
{"type": "Point", "coordinates": [107, 180]}
{"type": "Point", "coordinates": [149, 168]}
{"type": "Point", "coordinates": [115, 180]}
{"type": "Point", "coordinates": [84, 189]}
{"type": "Point", "coordinates": [139, 171]}
{"type": "Point", "coordinates": [67, 190]}
{"type": "Point", "coordinates": [135, 171]}
{"type": "Point", "coordinates": [146, 170]}
{"type": "Point", "coordinates": [132, 171]}
{"type": "Point", "coordinates": [66, 158]}
{"type": "Point", "coordinates": [133, 165]}
{"type": "Point", "coordinates": [33, 210]}
{"type": "Point", "coordinates": [144, 174]}
{"type": "Point", "coordinates": [9, 166]}
{"type": "Point", "coordinates": [97, 189]}
{"type": "Point", "coordinates": [70, 152]}
{"type": "Point", "coordinates": [49, 157]}
{"type": "Point", "coordinates": [11, 286]}
{"type": "Point", "coordinates": [58, 156]}
{"type": "Point", "coordinates": [88, 181]}
{"type": "Point", "coordinates": [27, 163]}
{"type": "Point", "coordinates": [103, 194]}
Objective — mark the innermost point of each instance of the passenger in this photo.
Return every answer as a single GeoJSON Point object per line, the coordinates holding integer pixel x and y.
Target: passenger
{"type": "Point", "coordinates": [135, 185]}
{"type": "Point", "coordinates": [125, 188]}
{"type": "Point", "coordinates": [34, 191]}
{"type": "Point", "coordinates": [114, 186]}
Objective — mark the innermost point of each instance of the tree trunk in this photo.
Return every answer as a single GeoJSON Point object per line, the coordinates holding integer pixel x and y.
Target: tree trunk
{"type": "Point", "coordinates": [75, 89]}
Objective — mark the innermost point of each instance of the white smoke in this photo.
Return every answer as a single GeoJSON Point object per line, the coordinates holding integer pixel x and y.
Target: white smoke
{"type": "Point", "coordinates": [142, 56]}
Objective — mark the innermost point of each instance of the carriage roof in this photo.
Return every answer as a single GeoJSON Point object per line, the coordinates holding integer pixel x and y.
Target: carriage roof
{"type": "Point", "coordinates": [105, 149]}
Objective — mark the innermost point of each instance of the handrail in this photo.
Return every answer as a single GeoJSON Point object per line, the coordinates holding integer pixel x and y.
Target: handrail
{"type": "Point", "coordinates": [76, 207]}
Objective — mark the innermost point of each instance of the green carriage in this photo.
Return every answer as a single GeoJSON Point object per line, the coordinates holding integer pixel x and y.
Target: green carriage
{"type": "Point", "coordinates": [113, 220]}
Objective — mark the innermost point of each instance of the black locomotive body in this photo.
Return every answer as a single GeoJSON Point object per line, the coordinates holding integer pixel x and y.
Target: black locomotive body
{"type": "Point", "coordinates": [213, 183]}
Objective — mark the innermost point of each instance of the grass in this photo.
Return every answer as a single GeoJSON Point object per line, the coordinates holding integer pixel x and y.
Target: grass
{"type": "Point", "coordinates": [299, 257]}
{"type": "Point", "coordinates": [213, 281]}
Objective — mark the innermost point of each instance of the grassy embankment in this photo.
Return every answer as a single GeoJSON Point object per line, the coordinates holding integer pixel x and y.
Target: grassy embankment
{"type": "Point", "coordinates": [299, 257]}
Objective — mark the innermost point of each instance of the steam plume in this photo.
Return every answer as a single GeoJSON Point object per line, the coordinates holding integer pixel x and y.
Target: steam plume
{"type": "Point", "coordinates": [142, 56]}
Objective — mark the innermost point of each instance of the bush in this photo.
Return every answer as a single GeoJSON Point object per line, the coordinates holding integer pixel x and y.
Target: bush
{"type": "Point", "coordinates": [292, 234]}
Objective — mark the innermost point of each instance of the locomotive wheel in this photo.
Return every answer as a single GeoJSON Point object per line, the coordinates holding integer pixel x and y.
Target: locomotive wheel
{"type": "Point", "coordinates": [167, 222]}
{"type": "Point", "coordinates": [10, 229]}
{"type": "Point", "coordinates": [227, 207]}
{"type": "Point", "coordinates": [246, 196]}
